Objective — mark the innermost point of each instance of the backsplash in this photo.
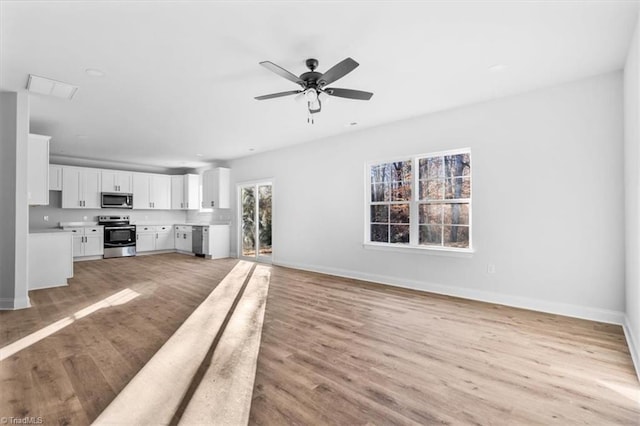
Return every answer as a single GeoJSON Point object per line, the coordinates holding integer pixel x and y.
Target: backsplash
{"type": "Point", "coordinates": [57, 214]}
{"type": "Point", "coordinates": [217, 216]}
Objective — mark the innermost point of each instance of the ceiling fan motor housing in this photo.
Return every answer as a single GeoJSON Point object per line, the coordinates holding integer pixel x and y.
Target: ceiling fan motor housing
{"type": "Point", "coordinates": [312, 64]}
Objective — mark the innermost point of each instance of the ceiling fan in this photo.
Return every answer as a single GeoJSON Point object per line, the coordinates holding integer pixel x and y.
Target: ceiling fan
{"type": "Point", "coordinates": [313, 85]}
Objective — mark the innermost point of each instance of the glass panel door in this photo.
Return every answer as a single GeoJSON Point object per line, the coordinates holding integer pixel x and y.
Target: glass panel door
{"type": "Point", "coordinates": [255, 220]}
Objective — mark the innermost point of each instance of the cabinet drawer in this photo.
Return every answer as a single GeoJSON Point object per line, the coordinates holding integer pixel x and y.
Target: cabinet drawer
{"type": "Point", "coordinates": [93, 230]}
{"type": "Point", "coordinates": [145, 229]}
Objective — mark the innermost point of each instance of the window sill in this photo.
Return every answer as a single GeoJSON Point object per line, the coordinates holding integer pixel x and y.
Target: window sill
{"type": "Point", "coordinates": [451, 252]}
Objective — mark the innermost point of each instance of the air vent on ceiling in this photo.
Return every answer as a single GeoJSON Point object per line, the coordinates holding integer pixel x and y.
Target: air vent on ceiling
{"type": "Point", "coordinates": [46, 86]}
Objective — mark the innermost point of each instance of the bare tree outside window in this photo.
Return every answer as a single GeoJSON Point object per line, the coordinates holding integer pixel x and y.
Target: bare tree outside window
{"type": "Point", "coordinates": [433, 211]}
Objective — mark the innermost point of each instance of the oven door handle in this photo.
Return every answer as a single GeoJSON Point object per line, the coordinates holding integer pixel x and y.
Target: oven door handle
{"type": "Point", "coordinates": [132, 227]}
{"type": "Point", "coordinates": [127, 244]}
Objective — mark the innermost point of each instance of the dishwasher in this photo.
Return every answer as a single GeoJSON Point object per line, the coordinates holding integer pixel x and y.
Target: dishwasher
{"type": "Point", "coordinates": [200, 241]}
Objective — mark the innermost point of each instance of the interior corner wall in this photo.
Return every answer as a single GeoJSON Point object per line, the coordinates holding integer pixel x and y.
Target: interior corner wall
{"type": "Point", "coordinates": [548, 200]}
{"type": "Point", "coordinates": [632, 195]}
{"type": "Point", "coordinates": [14, 211]}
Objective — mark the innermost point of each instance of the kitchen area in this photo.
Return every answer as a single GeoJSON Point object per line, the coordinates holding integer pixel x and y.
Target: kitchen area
{"type": "Point", "coordinates": [86, 213]}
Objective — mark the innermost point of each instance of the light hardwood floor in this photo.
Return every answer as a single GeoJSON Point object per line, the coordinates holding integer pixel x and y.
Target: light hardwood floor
{"type": "Point", "coordinates": [333, 351]}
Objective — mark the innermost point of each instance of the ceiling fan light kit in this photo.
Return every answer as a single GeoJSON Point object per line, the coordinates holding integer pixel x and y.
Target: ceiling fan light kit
{"type": "Point", "coordinates": [313, 84]}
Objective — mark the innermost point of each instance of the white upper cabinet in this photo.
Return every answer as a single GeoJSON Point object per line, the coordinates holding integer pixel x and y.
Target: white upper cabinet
{"type": "Point", "coordinates": [55, 177]}
{"type": "Point", "coordinates": [80, 188]}
{"type": "Point", "coordinates": [215, 188]}
{"type": "Point", "coordinates": [185, 192]}
{"type": "Point", "coordinates": [38, 170]}
{"type": "Point", "coordinates": [114, 181]}
{"type": "Point", "coordinates": [151, 191]}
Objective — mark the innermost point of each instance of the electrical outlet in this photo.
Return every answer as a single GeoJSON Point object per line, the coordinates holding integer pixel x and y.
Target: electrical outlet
{"type": "Point", "coordinates": [46, 218]}
{"type": "Point", "coordinates": [146, 217]}
{"type": "Point", "coordinates": [84, 218]}
{"type": "Point", "coordinates": [491, 268]}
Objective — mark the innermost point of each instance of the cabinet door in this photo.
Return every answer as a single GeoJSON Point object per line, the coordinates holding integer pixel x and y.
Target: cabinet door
{"type": "Point", "coordinates": [109, 181]}
{"type": "Point", "coordinates": [178, 242]}
{"type": "Point", "coordinates": [188, 241]}
{"type": "Point", "coordinates": [146, 241]}
{"type": "Point", "coordinates": [71, 189]}
{"type": "Point", "coordinates": [216, 191]}
{"type": "Point", "coordinates": [208, 180]}
{"type": "Point", "coordinates": [164, 238]}
{"type": "Point", "coordinates": [161, 192]}
{"type": "Point", "coordinates": [124, 182]}
{"type": "Point", "coordinates": [93, 244]}
{"type": "Point", "coordinates": [192, 192]}
{"type": "Point", "coordinates": [38, 170]}
{"type": "Point", "coordinates": [141, 196]}
{"type": "Point", "coordinates": [91, 188]}
{"type": "Point", "coordinates": [78, 243]}
{"type": "Point", "coordinates": [177, 192]}
{"type": "Point", "coordinates": [55, 177]}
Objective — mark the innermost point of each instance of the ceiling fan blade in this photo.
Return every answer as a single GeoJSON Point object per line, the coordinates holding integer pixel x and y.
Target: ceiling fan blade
{"type": "Point", "coordinates": [349, 93]}
{"type": "Point", "coordinates": [282, 72]}
{"type": "Point", "coordinates": [338, 71]}
{"type": "Point", "coordinates": [277, 95]}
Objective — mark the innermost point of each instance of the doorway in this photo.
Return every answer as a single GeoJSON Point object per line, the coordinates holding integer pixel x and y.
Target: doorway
{"type": "Point", "coordinates": [255, 221]}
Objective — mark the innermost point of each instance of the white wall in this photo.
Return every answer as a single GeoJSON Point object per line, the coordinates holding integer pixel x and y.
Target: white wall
{"type": "Point", "coordinates": [632, 194]}
{"type": "Point", "coordinates": [14, 212]}
{"type": "Point", "coordinates": [548, 207]}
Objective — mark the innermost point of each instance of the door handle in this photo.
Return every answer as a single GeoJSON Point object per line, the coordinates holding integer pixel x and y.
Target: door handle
{"type": "Point", "coordinates": [137, 237]}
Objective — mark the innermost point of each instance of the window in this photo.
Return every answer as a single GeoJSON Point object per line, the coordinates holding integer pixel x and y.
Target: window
{"type": "Point", "coordinates": [422, 201]}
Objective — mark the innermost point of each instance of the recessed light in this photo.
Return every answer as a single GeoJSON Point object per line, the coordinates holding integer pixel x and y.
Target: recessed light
{"type": "Point", "coordinates": [497, 68]}
{"type": "Point", "coordinates": [93, 72]}
{"type": "Point", "coordinates": [82, 136]}
{"type": "Point", "coordinates": [198, 155]}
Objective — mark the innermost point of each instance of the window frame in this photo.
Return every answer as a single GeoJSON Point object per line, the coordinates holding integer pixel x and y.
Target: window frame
{"type": "Point", "coordinates": [414, 204]}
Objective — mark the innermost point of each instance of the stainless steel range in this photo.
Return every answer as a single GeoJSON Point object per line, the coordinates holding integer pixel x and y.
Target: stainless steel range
{"type": "Point", "coordinates": [119, 236]}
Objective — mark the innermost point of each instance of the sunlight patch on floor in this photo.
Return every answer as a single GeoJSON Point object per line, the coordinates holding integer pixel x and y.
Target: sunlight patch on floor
{"type": "Point", "coordinates": [119, 298]}
{"type": "Point", "coordinates": [623, 389]}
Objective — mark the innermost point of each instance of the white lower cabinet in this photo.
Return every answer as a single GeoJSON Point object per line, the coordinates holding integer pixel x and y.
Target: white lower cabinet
{"type": "Point", "coordinates": [145, 238]}
{"type": "Point", "coordinates": [152, 238]}
{"type": "Point", "coordinates": [183, 238]}
{"type": "Point", "coordinates": [50, 259]}
{"type": "Point", "coordinates": [87, 241]}
{"type": "Point", "coordinates": [164, 238]}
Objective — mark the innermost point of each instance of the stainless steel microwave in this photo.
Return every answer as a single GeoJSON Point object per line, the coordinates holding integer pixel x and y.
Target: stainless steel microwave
{"type": "Point", "coordinates": [114, 200]}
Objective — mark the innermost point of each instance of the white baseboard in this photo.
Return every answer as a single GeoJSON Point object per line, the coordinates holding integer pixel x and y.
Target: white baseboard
{"type": "Point", "coordinates": [11, 304]}
{"type": "Point", "coordinates": [632, 342]}
{"type": "Point", "coordinates": [583, 312]}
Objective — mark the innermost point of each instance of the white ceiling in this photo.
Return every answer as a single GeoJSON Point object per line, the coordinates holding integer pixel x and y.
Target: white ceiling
{"type": "Point", "coordinates": [181, 76]}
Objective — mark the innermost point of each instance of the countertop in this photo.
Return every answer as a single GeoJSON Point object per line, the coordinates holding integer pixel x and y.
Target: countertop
{"type": "Point", "coordinates": [77, 224]}
{"type": "Point", "coordinates": [48, 231]}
